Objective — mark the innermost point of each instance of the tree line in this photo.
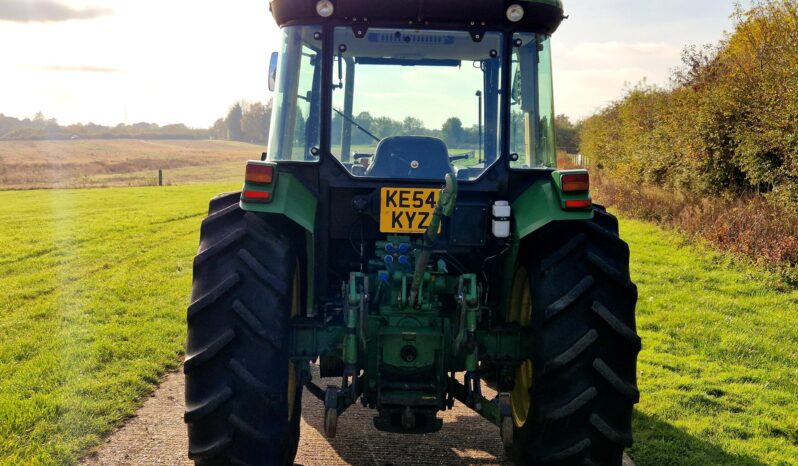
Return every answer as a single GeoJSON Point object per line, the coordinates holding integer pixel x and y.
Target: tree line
{"type": "Point", "coordinates": [250, 122]}
{"type": "Point", "coordinates": [453, 132]}
{"type": "Point", "coordinates": [42, 128]}
{"type": "Point", "coordinates": [245, 121]}
{"type": "Point", "coordinates": [728, 122]}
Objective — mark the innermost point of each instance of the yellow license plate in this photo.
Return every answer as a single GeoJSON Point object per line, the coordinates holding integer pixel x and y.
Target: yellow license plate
{"type": "Point", "coordinates": [406, 210]}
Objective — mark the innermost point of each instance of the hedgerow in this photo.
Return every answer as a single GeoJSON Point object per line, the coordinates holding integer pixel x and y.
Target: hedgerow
{"type": "Point", "coordinates": [715, 152]}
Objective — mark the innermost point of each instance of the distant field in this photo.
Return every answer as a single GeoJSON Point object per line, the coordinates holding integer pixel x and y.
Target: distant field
{"type": "Point", "coordinates": [124, 162]}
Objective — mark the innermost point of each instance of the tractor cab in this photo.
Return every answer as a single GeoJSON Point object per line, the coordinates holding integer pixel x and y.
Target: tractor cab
{"type": "Point", "coordinates": [413, 101]}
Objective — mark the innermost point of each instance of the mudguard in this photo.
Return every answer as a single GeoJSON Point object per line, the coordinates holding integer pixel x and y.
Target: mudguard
{"type": "Point", "coordinates": [289, 197]}
{"type": "Point", "coordinates": [543, 203]}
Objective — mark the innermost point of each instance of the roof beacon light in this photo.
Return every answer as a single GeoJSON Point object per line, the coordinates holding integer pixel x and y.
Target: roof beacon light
{"type": "Point", "coordinates": [325, 8]}
{"type": "Point", "coordinates": [515, 12]}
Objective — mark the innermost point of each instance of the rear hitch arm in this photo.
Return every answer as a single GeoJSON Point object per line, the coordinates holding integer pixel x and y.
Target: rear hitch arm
{"type": "Point", "coordinates": [443, 208]}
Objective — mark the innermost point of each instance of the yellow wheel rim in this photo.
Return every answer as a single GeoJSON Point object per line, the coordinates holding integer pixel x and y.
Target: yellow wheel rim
{"type": "Point", "coordinates": [521, 312]}
{"type": "Point", "coordinates": [295, 302]}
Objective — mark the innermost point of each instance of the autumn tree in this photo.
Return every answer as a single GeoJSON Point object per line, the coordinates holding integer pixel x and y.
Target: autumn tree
{"type": "Point", "coordinates": [255, 122]}
{"type": "Point", "coordinates": [453, 132]}
{"type": "Point", "coordinates": [233, 122]}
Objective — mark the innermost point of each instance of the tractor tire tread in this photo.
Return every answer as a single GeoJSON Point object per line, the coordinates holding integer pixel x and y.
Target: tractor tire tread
{"type": "Point", "coordinates": [247, 429]}
{"type": "Point", "coordinates": [199, 411]}
{"type": "Point", "coordinates": [572, 406]}
{"type": "Point", "coordinates": [619, 327]}
{"type": "Point", "coordinates": [219, 246]}
{"type": "Point", "coordinates": [270, 238]}
{"type": "Point", "coordinates": [568, 452]}
{"type": "Point", "coordinates": [572, 352]}
{"type": "Point", "coordinates": [207, 353]}
{"type": "Point", "coordinates": [612, 434]}
{"type": "Point", "coordinates": [605, 220]}
{"type": "Point", "coordinates": [549, 262]}
{"type": "Point", "coordinates": [569, 298]}
{"type": "Point", "coordinates": [210, 449]}
{"type": "Point", "coordinates": [213, 295]}
{"type": "Point", "coordinates": [224, 213]}
{"type": "Point", "coordinates": [612, 273]}
{"type": "Point", "coordinates": [237, 359]}
{"type": "Point", "coordinates": [585, 345]}
{"type": "Point", "coordinates": [626, 389]}
{"type": "Point", "coordinates": [222, 200]}
{"type": "Point", "coordinates": [246, 376]}
{"type": "Point", "coordinates": [608, 238]}
{"type": "Point", "coordinates": [254, 325]}
{"type": "Point", "coordinates": [266, 277]}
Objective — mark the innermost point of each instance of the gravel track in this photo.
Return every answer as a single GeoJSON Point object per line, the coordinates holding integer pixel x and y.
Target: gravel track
{"type": "Point", "coordinates": [157, 436]}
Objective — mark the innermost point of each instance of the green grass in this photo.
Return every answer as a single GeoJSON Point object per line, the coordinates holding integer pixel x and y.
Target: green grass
{"type": "Point", "coordinates": [719, 364]}
{"type": "Point", "coordinates": [93, 290]}
{"type": "Point", "coordinates": [94, 285]}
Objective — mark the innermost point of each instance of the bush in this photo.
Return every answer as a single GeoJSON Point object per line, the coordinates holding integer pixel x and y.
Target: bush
{"type": "Point", "coordinates": [746, 225]}
{"type": "Point", "coordinates": [728, 123]}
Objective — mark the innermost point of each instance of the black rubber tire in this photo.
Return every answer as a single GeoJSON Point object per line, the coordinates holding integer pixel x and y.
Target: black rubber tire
{"type": "Point", "coordinates": [584, 377]}
{"type": "Point", "coordinates": [236, 354]}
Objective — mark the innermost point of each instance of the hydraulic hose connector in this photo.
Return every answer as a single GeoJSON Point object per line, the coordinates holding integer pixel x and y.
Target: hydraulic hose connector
{"type": "Point", "coordinates": [444, 208]}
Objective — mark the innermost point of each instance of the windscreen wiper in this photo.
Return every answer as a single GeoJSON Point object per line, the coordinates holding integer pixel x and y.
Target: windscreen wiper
{"type": "Point", "coordinates": [357, 125]}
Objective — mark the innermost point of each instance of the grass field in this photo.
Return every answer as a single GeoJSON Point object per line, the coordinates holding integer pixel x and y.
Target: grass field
{"type": "Point", "coordinates": [94, 284]}
{"type": "Point", "coordinates": [123, 162]}
{"type": "Point", "coordinates": [719, 368]}
{"type": "Point", "coordinates": [93, 290]}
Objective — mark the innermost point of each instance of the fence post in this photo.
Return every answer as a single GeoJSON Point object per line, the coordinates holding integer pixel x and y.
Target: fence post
{"type": "Point", "coordinates": [160, 177]}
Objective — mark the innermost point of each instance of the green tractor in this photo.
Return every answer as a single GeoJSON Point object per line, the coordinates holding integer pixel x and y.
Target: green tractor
{"type": "Point", "coordinates": [409, 234]}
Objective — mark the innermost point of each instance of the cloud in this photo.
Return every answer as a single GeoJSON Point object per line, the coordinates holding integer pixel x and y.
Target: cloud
{"type": "Point", "coordinates": [622, 53]}
{"type": "Point", "coordinates": [72, 68]}
{"type": "Point", "coordinates": [590, 75]}
{"type": "Point", "coordinates": [46, 11]}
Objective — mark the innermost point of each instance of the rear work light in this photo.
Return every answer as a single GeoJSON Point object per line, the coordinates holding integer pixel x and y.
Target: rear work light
{"type": "Point", "coordinates": [259, 173]}
{"type": "Point", "coordinates": [575, 183]}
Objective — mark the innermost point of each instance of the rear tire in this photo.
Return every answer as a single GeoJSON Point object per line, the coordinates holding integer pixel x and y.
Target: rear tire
{"type": "Point", "coordinates": [582, 381]}
{"type": "Point", "coordinates": [243, 401]}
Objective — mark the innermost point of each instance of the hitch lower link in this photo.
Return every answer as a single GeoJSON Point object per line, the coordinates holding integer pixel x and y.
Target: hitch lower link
{"type": "Point", "coordinates": [498, 410]}
{"type": "Point", "coordinates": [337, 400]}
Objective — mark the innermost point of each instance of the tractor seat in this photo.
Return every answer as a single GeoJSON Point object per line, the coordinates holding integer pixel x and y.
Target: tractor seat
{"type": "Point", "coordinates": [397, 156]}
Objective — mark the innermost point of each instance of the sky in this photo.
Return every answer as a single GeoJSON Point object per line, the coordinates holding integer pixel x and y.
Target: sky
{"type": "Point", "coordinates": [187, 61]}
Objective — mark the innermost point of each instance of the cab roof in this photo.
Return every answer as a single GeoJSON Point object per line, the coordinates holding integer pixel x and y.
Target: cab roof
{"type": "Point", "coordinates": [541, 16]}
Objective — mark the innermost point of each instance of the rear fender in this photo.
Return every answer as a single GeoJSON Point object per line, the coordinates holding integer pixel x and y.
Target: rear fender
{"type": "Point", "coordinates": [288, 197]}
{"type": "Point", "coordinates": [541, 204]}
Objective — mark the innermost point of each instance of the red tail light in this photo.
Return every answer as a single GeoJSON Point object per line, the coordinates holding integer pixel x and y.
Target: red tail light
{"type": "Point", "coordinates": [259, 174]}
{"type": "Point", "coordinates": [256, 196]}
{"type": "Point", "coordinates": [579, 204]}
{"type": "Point", "coordinates": [574, 183]}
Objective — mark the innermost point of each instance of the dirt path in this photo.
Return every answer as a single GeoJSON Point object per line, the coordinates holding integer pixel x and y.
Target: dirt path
{"type": "Point", "coordinates": [157, 436]}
